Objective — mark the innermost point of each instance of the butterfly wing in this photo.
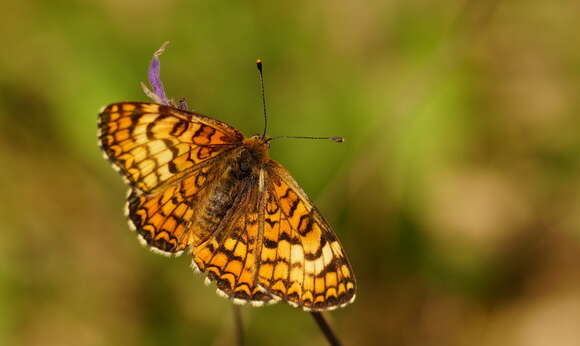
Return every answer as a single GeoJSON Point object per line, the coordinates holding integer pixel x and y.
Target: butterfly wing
{"type": "Point", "coordinates": [301, 260]}
{"type": "Point", "coordinates": [153, 145]}
{"type": "Point", "coordinates": [168, 157]}
{"type": "Point", "coordinates": [229, 256]}
{"type": "Point", "coordinates": [163, 220]}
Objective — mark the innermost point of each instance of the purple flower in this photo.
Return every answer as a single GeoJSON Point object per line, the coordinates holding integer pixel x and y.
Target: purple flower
{"type": "Point", "coordinates": [154, 77]}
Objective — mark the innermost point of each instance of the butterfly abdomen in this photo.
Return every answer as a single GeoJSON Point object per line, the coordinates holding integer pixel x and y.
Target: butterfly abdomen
{"type": "Point", "coordinates": [237, 176]}
{"type": "Point", "coordinates": [219, 200]}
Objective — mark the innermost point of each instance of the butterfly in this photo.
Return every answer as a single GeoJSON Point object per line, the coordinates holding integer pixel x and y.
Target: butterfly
{"type": "Point", "coordinates": [199, 185]}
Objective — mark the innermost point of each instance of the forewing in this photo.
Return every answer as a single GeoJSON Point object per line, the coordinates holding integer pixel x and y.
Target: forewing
{"type": "Point", "coordinates": [301, 259]}
{"type": "Point", "coordinates": [229, 256]}
{"type": "Point", "coordinates": [152, 145]}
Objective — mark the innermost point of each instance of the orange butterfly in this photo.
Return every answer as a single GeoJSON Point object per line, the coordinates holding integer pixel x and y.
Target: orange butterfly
{"type": "Point", "coordinates": [197, 183]}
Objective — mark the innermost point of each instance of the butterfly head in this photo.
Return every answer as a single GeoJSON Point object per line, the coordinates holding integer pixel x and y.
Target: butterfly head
{"type": "Point", "coordinates": [258, 147]}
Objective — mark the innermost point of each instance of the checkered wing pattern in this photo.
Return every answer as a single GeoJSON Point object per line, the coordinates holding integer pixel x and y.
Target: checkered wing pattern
{"type": "Point", "coordinates": [168, 157]}
{"type": "Point", "coordinates": [301, 260]}
{"type": "Point", "coordinates": [154, 145]}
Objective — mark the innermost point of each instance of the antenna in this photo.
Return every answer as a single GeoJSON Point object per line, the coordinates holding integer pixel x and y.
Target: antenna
{"type": "Point", "coordinates": [335, 139]}
{"type": "Point", "coordinates": [259, 65]}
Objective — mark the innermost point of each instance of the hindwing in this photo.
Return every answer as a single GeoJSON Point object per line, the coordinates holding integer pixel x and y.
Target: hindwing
{"type": "Point", "coordinates": [230, 256]}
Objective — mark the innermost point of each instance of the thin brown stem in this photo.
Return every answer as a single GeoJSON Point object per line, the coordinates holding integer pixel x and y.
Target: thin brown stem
{"type": "Point", "coordinates": [239, 326]}
{"type": "Point", "coordinates": [325, 328]}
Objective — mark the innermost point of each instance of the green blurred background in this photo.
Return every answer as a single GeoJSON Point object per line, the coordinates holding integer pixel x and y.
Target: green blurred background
{"type": "Point", "coordinates": [456, 194]}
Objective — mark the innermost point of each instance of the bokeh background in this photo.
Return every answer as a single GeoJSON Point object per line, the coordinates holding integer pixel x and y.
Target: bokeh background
{"type": "Point", "coordinates": [456, 194]}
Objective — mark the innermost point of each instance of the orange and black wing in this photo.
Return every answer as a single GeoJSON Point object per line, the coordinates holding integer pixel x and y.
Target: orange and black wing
{"type": "Point", "coordinates": [168, 157]}
{"type": "Point", "coordinates": [163, 220]}
{"type": "Point", "coordinates": [152, 145]}
{"type": "Point", "coordinates": [229, 257]}
{"type": "Point", "coordinates": [301, 260]}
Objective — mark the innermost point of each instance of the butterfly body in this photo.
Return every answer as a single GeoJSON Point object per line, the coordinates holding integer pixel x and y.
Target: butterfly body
{"type": "Point", "coordinates": [198, 184]}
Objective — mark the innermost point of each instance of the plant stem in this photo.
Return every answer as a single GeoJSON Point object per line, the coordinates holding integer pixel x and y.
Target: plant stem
{"type": "Point", "coordinates": [239, 326]}
{"type": "Point", "coordinates": [325, 328]}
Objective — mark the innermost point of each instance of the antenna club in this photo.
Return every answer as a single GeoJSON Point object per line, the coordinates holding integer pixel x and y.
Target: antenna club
{"type": "Point", "coordinates": [338, 139]}
{"type": "Point", "coordinates": [259, 64]}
